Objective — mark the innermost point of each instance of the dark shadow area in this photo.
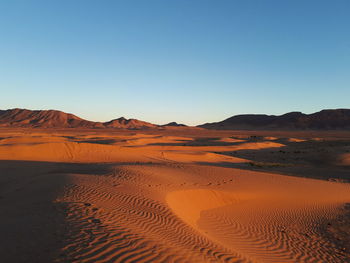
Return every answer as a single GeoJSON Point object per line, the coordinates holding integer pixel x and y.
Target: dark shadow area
{"type": "Point", "coordinates": [341, 175]}
{"type": "Point", "coordinates": [338, 231]}
{"type": "Point", "coordinates": [71, 137]}
{"type": "Point", "coordinates": [34, 227]}
{"type": "Point", "coordinates": [28, 144]}
{"type": "Point", "coordinates": [98, 141]}
{"type": "Point", "coordinates": [198, 142]}
{"type": "Point", "coordinates": [313, 159]}
{"type": "Point", "coordinates": [82, 168]}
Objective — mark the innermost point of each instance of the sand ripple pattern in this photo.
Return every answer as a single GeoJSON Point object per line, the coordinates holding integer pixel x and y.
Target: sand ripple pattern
{"type": "Point", "coordinates": [283, 235]}
{"type": "Point", "coordinates": [125, 216]}
{"type": "Point", "coordinates": [115, 223]}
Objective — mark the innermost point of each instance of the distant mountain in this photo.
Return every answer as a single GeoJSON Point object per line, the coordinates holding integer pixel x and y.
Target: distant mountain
{"type": "Point", "coordinates": [123, 123]}
{"type": "Point", "coordinates": [59, 119]}
{"type": "Point", "coordinates": [43, 119]}
{"type": "Point", "coordinates": [174, 124]}
{"type": "Point", "coordinates": [338, 119]}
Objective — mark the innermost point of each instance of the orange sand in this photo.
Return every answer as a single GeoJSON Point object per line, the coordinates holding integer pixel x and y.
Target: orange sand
{"type": "Point", "coordinates": [133, 197]}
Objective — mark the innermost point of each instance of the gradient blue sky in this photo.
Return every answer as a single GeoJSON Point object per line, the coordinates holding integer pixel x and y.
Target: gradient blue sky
{"type": "Point", "coordinates": [190, 61]}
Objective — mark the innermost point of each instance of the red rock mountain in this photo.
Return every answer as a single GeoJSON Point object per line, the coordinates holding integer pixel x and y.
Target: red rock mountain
{"type": "Point", "coordinates": [59, 119]}
{"type": "Point", "coordinates": [123, 123]}
{"type": "Point", "coordinates": [338, 119]}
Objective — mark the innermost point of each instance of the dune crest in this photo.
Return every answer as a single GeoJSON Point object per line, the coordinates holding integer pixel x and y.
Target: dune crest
{"type": "Point", "coordinates": [189, 204]}
{"type": "Point", "coordinates": [265, 224]}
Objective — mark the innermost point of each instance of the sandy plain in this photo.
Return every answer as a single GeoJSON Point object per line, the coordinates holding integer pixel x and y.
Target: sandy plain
{"type": "Point", "coordinates": [174, 196]}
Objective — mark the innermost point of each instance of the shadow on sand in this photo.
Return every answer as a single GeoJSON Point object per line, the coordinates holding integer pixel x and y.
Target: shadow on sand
{"type": "Point", "coordinates": [33, 226]}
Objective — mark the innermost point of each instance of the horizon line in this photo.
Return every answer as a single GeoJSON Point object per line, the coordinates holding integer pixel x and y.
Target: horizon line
{"type": "Point", "coordinates": [151, 122]}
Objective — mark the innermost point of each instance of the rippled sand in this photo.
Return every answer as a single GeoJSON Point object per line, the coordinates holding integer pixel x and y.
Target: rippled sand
{"type": "Point", "coordinates": [133, 197]}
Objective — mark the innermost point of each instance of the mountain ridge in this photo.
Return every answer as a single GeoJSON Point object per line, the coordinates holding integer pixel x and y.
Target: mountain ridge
{"type": "Point", "coordinates": [328, 119]}
{"type": "Point", "coordinates": [59, 119]}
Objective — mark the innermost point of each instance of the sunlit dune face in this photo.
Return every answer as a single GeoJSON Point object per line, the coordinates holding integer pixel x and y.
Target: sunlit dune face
{"type": "Point", "coordinates": [189, 204]}
{"type": "Point", "coordinates": [280, 214]}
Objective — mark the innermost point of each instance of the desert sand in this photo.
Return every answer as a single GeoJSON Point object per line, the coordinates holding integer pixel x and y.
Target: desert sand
{"type": "Point", "coordinates": [174, 196]}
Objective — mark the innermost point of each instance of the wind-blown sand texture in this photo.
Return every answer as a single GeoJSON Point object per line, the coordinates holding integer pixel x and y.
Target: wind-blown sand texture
{"type": "Point", "coordinates": [93, 196]}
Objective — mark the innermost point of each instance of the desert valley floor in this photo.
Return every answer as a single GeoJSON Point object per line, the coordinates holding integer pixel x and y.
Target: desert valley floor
{"type": "Point", "coordinates": [174, 196]}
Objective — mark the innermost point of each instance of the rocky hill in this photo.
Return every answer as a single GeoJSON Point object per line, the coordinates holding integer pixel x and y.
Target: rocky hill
{"type": "Point", "coordinates": [338, 119]}
{"type": "Point", "coordinates": [58, 119]}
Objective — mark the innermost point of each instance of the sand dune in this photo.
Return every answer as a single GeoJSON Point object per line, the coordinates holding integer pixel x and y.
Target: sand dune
{"type": "Point", "coordinates": [268, 224]}
{"type": "Point", "coordinates": [161, 198]}
{"type": "Point", "coordinates": [345, 159]}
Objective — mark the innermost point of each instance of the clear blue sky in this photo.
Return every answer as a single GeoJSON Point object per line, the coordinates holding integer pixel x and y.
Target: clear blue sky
{"type": "Point", "coordinates": [190, 61]}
